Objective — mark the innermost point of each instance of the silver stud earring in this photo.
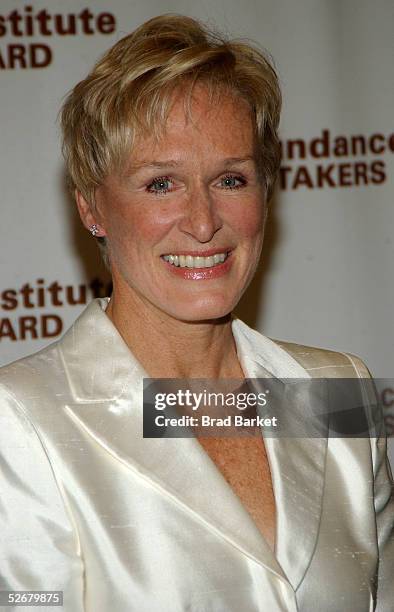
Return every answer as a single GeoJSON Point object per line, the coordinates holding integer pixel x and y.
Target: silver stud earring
{"type": "Point", "coordinates": [94, 230]}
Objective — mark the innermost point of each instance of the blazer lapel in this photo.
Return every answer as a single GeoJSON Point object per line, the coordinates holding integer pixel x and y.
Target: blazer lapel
{"type": "Point", "coordinates": [297, 463]}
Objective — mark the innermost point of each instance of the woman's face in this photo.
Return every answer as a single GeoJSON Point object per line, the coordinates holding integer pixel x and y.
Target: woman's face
{"type": "Point", "coordinates": [182, 206]}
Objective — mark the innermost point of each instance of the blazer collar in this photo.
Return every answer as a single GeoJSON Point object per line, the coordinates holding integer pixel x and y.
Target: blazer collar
{"type": "Point", "coordinates": [106, 382]}
{"type": "Point", "coordinates": [101, 367]}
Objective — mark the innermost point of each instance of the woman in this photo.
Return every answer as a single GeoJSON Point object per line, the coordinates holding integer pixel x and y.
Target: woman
{"type": "Point", "coordinates": [172, 149]}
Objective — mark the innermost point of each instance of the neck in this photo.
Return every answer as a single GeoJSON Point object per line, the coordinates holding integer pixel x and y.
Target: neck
{"type": "Point", "coordinates": [170, 348]}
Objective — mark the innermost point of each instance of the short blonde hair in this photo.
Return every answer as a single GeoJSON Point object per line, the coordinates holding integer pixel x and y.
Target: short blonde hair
{"type": "Point", "coordinates": [129, 91]}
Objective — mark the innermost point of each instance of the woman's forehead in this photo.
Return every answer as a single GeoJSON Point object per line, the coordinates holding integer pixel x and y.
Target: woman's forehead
{"type": "Point", "coordinates": [227, 127]}
{"type": "Point", "coordinates": [186, 107]}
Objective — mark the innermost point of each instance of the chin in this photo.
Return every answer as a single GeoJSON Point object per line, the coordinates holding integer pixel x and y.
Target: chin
{"type": "Point", "coordinates": [201, 309]}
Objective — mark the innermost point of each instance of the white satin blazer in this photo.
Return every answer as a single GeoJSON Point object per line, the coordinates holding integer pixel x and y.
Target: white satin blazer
{"type": "Point", "coordinates": [120, 523]}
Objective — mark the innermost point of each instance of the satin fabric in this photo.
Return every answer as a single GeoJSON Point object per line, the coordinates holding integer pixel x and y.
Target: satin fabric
{"type": "Point", "coordinates": [122, 523]}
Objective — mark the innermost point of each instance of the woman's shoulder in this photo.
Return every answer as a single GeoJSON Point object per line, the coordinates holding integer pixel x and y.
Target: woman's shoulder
{"type": "Point", "coordinates": [317, 361]}
{"type": "Point", "coordinates": [337, 364]}
{"type": "Point", "coordinates": [29, 380]}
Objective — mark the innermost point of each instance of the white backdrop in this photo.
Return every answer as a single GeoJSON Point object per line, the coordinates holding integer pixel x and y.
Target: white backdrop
{"type": "Point", "coordinates": [326, 274]}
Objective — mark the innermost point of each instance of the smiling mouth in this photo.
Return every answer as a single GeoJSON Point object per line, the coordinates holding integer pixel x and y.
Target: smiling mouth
{"type": "Point", "coordinates": [196, 261]}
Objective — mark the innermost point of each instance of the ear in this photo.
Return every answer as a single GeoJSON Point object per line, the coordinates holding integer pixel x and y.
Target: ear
{"type": "Point", "coordinates": [87, 214]}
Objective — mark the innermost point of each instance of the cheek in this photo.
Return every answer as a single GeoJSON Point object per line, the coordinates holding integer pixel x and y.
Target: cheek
{"type": "Point", "coordinates": [248, 220]}
{"type": "Point", "coordinates": [138, 224]}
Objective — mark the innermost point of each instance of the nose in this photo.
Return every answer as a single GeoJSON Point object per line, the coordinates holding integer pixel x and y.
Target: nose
{"type": "Point", "coordinates": [201, 219]}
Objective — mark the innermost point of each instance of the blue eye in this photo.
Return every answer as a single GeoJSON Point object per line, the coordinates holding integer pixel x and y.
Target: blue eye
{"type": "Point", "coordinates": [230, 181]}
{"type": "Point", "coordinates": [159, 185]}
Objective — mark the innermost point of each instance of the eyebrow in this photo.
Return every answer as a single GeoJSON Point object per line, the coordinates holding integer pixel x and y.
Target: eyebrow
{"type": "Point", "coordinates": [172, 163]}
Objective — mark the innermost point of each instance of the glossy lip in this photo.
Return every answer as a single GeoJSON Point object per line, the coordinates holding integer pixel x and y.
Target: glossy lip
{"type": "Point", "coordinates": [201, 273]}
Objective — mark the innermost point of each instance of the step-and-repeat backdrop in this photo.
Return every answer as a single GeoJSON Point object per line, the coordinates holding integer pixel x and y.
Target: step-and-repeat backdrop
{"type": "Point", "coordinates": [326, 275]}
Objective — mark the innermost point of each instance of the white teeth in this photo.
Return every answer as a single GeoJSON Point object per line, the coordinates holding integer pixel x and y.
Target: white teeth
{"type": "Point", "coordinates": [188, 261]}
